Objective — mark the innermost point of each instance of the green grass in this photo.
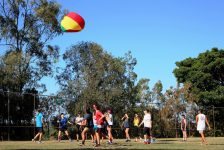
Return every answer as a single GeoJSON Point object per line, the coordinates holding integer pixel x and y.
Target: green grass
{"type": "Point", "coordinates": [168, 143]}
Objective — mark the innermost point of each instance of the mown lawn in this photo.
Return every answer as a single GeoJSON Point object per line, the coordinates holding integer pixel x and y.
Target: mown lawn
{"type": "Point", "coordinates": [169, 143]}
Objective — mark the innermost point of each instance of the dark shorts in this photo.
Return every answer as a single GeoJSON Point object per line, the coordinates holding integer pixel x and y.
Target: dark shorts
{"type": "Point", "coordinates": [88, 129]}
{"type": "Point", "coordinates": [104, 131]}
{"type": "Point", "coordinates": [62, 129]}
{"type": "Point", "coordinates": [78, 129]}
{"type": "Point", "coordinates": [126, 126]}
{"type": "Point", "coordinates": [146, 131]}
{"type": "Point", "coordinates": [109, 127]}
{"type": "Point", "coordinates": [136, 131]}
{"type": "Point", "coordinates": [39, 129]}
{"type": "Point", "coordinates": [99, 130]}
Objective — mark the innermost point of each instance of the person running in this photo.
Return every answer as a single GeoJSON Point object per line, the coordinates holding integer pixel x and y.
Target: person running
{"type": "Point", "coordinates": [126, 126]}
{"type": "Point", "coordinates": [94, 128]}
{"type": "Point", "coordinates": [201, 119]}
{"type": "Point", "coordinates": [63, 127]}
{"type": "Point", "coordinates": [147, 126]}
{"type": "Point", "coordinates": [39, 119]}
{"type": "Point", "coordinates": [78, 125]}
{"type": "Point", "coordinates": [109, 119]}
{"type": "Point", "coordinates": [184, 127]}
{"type": "Point", "coordinates": [87, 124]}
{"type": "Point", "coordinates": [103, 130]}
{"type": "Point", "coordinates": [99, 121]}
{"type": "Point", "coordinates": [136, 123]}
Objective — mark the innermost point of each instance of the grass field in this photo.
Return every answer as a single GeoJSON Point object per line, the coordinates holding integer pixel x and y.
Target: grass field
{"type": "Point", "coordinates": [168, 143]}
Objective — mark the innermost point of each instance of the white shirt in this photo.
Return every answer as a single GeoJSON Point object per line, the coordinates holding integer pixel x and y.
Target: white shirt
{"type": "Point", "coordinates": [94, 121]}
{"type": "Point", "coordinates": [110, 119]}
{"type": "Point", "coordinates": [147, 121]}
{"type": "Point", "coordinates": [78, 119]}
{"type": "Point", "coordinates": [201, 122]}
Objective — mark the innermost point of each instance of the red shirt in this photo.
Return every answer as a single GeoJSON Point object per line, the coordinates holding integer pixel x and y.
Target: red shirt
{"type": "Point", "coordinates": [98, 116]}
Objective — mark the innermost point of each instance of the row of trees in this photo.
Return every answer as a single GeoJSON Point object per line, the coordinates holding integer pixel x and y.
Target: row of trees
{"type": "Point", "coordinates": [92, 75]}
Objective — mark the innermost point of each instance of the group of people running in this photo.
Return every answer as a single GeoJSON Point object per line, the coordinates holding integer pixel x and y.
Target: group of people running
{"type": "Point", "coordinates": [95, 123]}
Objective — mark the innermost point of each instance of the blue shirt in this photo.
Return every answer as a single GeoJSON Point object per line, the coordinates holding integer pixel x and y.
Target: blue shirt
{"type": "Point", "coordinates": [39, 118]}
{"type": "Point", "coordinates": [63, 122]}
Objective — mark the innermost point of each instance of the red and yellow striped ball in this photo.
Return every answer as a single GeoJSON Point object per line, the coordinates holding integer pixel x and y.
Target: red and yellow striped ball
{"type": "Point", "coordinates": [72, 22]}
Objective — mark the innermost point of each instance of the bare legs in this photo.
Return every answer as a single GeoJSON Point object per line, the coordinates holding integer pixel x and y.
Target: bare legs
{"type": "Point", "coordinates": [184, 135]}
{"type": "Point", "coordinates": [145, 137]}
{"type": "Point", "coordinates": [110, 136]}
{"type": "Point", "coordinates": [59, 135]}
{"type": "Point", "coordinates": [98, 134]}
{"type": "Point", "coordinates": [203, 138]}
{"type": "Point", "coordinates": [77, 137]}
{"type": "Point", "coordinates": [84, 133]}
{"type": "Point", "coordinates": [127, 134]}
{"type": "Point", "coordinates": [40, 134]}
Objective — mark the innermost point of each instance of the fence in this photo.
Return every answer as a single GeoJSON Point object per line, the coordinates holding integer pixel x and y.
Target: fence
{"type": "Point", "coordinates": [17, 113]}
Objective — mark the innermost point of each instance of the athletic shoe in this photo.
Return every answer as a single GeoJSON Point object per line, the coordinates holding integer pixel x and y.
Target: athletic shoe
{"type": "Point", "coordinates": [80, 144]}
{"type": "Point", "coordinates": [59, 139]}
{"type": "Point", "coordinates": [70, 140]}
{"type": "Point", "coordinates": [40, 142]}
{"type": "Point", "coordinates": [109, 142]}
{"type": "Point", "coordinates": [97, 145]}
{"type": "Point", "coordinates": [205, 143]}
{"type": "Point", "coordinates": [128, 140]}
{"type": "Point", "coordinates": [93, 143]}
{"type": "Point", "coordinates": [33, 140]}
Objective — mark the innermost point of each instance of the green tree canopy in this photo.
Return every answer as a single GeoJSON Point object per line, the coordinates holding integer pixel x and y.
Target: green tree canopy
{"type": "Point", "coordinates": [205, 74]}
{"type": "Point", "coordinates": [26, 26]}
{"type": "Point", "coordinates": [92, 76]}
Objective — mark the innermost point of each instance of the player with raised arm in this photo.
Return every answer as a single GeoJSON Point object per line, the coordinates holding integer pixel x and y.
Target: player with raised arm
{"type": "Point", "coordinates": [87, 123]}
{"type": "Point", "coordinates": [63, 127]}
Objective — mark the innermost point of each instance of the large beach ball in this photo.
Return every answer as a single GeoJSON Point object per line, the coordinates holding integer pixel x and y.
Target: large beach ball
{"type": "Point", "coordinates": [72, 22]}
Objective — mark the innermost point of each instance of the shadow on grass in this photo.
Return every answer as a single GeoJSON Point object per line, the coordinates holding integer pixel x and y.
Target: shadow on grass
{"type": "Point", "coordinates": [161, 143]}
{"type": "Point", "coordinates": [168, 140]}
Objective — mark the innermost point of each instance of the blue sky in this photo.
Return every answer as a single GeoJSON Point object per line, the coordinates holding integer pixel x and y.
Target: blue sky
{"type": "Point", "coordinates": [157, 32]}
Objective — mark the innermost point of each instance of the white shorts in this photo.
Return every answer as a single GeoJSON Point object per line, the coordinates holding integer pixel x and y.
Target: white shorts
{"type": "Point", "coordinates": [110, 123]}
{"type": "Point", "coordinates": [99, 126]}
{"type": "Point", "coordinates": [200, 131]}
